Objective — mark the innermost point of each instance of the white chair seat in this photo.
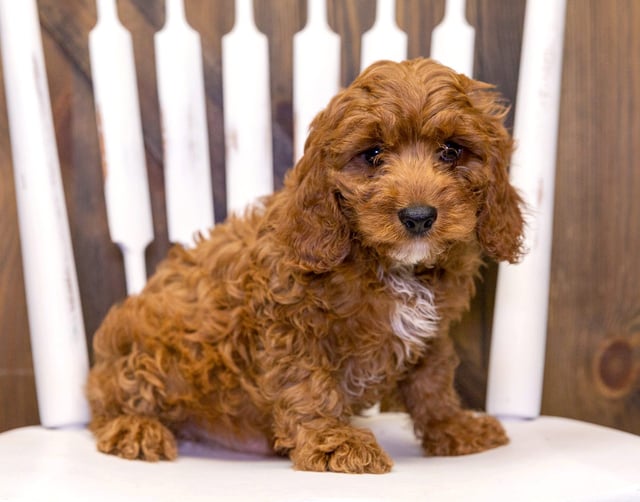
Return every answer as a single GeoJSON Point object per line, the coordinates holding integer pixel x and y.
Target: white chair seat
{"type": "Point", "coordinates": [548, 459]}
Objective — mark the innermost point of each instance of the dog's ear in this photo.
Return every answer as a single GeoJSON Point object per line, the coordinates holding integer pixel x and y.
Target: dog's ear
{"type": "Point", "coordinates": [311, 223]}
{"type": "Point", "coordinates": [500, 221]}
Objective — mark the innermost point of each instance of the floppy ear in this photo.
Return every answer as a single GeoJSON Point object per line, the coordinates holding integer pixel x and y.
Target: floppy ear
{"type": "Point", "coordinates": [311, 224]}
{"type": "Point", "coordinates": [500, 222]}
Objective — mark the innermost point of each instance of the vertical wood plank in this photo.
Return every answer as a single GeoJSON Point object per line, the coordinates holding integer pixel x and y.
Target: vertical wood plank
{"type": "Point", "coordinates": [279, 25]}
{"type": "Point", "coordinates": [498, 41]}
{"type": "Point", "coordinates": [593, 349]}
{"type": "Point", "coordinates": [350, 19]}
{"type": "Point", "coordinates": [418, 18]}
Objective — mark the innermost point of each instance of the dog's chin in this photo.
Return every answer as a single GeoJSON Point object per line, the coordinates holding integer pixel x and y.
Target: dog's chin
{"type": "Point", "coordinates": [414, 253]}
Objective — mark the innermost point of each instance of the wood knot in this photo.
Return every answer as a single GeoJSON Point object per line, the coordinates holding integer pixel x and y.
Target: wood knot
{"type": "Point", "coordinates": [616, 366]}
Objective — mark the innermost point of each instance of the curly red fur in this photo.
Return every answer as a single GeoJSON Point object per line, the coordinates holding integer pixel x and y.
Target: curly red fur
{"type": "Point", "coordinates": [283, 323]}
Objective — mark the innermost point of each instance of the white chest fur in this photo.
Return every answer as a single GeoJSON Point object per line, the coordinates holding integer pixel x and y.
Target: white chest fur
{"type": "Point", "coordinates": [415, 318]}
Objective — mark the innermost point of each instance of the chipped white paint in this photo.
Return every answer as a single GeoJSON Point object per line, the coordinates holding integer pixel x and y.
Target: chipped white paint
{"type": "Point", "coordinates": [247, 110]}
{"type": "Point", "coordinates": [453, 40]}
{"type": "Point", "coordinates": [126, 187]}
{"type": "Point", "coordinates": [187, 176]}
{"type": "Point", "coordinates": [316, 70]}
{"type": "Point", "coordinates": [522, 295]}
{"type": "Point", "coordinates": [58, 343]}
{"type": "Point", "coordinates": [384, 40]}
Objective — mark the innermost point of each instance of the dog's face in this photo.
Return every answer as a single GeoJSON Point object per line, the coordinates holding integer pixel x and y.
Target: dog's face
{"type": "Point", "coordinates": [409, 159]}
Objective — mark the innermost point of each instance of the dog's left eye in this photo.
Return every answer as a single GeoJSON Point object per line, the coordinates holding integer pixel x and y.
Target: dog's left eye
{"type": "Point", "coordinates": [373, 156]}
{"type": "Point", "coordinates": [450, 152]}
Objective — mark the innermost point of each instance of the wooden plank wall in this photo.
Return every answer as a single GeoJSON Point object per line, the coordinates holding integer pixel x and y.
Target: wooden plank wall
{"type": "Point", "coordinates": [593, 363]}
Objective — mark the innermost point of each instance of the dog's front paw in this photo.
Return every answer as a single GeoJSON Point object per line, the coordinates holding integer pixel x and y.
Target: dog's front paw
{"type": "Point", "coordinates": [135, 437]}
{"type": "Point", "coordinates": [345, 449]}
{"type": "Point", "coordinates": [462, 434]}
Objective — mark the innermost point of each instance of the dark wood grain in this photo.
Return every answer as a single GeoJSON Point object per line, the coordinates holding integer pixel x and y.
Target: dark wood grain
{"type": "Point", "coordinates": [280, 25]}
{"type": "Point", "coordinates": [350, 19]}
{"type": "Point", "coordinates": [593, 353]}
{"type": "Point", "coordinates": [212, 20]}
{"type": "Point", "coordinates": [593, 349]}
{"type": "Point", "coordinates": [418, 18]}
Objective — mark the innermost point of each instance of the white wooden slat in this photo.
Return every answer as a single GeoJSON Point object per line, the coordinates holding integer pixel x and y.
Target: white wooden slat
{"type": "Point", "coordinates": [453, 40]}
{"type": "Point", "coordinates": [184, 127]}
{"type": "Point", "coordinates": [118, 113]}
{"type": "Point", "coordinates": [384, 40]}
{"type": "Point", "coordinates": [58, 342]}
{"type": "Point", "coordinates": [247, 110]}
{"type": "Point", "coordinates": [316, 70]}
{"type": "Point", "coordinates": [520, 317]}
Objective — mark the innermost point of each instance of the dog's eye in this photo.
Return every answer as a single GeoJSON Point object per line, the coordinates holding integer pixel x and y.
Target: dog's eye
{"type": "Point", "coordinates": [373, 156]}
{"type": "Point", "coordinates": [450, 152]}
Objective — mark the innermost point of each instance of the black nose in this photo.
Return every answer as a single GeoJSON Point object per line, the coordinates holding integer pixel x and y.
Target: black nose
{"type": "Point", "coordinates": [418, 219]}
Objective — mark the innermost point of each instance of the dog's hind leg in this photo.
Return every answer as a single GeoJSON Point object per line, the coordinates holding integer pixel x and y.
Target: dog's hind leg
{"type": "Point", "coordinates": [131, 408]}
{"type": "Point", "coordinates": [136, 390]}
{"type": "Point", "coordinates": [135, 399]}
{"type": "Point", "coordinates": [135, 437]}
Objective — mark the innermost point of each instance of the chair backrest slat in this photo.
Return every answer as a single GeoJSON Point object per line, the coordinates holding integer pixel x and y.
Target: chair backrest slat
{"type": "Point", "coordinates": [126, 186]}
{"type": "Point", "coordinates": [249, 164]}
{"type": "Point", "coordinates": [316, 70]}
{"type": "Point", "coordinates": [58, 343]}
{"type": "Point", "coordinates": [453, 40]}
{"type": "Point", "coordinates": [522, 296]}
{"type": "Point", "coordinates": [384, 40]}
{"type": "Point", "coordinates": [187, 174]}
{"type": "Point", "coordinates": [247, 110]}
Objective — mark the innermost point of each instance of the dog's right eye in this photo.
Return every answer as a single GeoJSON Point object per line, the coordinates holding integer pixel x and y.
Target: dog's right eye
{"type": "Point", "coordinates": [373, 156]}
{"type": "Point", "coordinates": [450, 152]}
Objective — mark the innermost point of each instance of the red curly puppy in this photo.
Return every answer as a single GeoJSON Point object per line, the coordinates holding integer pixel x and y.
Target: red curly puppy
{"type": "Point", "coordinates": [334, 292]}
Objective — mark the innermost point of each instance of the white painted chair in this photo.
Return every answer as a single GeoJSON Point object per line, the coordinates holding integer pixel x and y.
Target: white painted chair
{"type": "Point", "coordinates": [548, 458]}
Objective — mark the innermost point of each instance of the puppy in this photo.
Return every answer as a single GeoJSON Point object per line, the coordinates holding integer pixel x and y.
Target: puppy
{"type": "Point", "coordinates": [328, 295]}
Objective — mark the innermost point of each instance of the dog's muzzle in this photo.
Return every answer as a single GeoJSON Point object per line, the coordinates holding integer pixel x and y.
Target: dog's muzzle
{"type": "Point", "coordinates": [418, 220]}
